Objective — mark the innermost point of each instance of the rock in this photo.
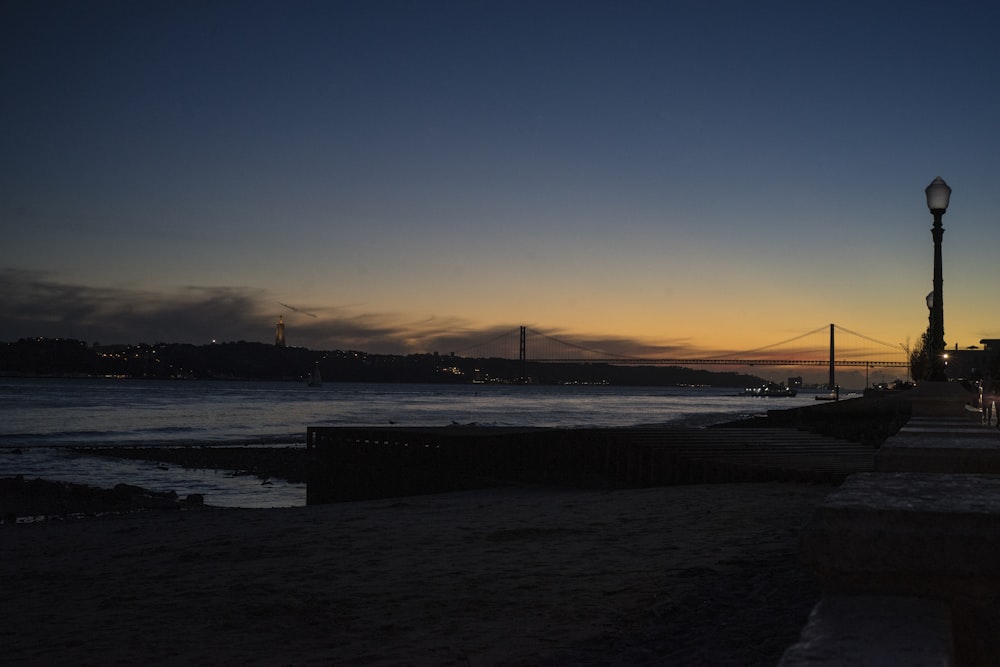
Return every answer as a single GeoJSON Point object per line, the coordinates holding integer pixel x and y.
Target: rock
{"type": "Point", "coordinates": [128, 490]}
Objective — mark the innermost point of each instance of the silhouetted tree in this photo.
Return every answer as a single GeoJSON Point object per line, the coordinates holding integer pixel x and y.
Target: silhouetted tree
{"type": "Point", "coordinates": [921, 366]}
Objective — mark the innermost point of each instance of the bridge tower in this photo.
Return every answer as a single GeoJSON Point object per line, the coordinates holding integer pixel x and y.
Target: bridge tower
{"type": "Point", "coordinates": [279, 332]}
{"type": "Point", "coordinates": [521, 354]}
{"type": "Point", "coordinates": [833, 380]}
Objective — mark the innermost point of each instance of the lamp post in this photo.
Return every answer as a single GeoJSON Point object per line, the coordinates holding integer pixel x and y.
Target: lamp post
{"type": "Point", "coordinates": [938, 194]}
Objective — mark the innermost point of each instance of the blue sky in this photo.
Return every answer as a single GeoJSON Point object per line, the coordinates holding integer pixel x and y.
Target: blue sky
{"type": "Point", "coordinates": [675, 178]}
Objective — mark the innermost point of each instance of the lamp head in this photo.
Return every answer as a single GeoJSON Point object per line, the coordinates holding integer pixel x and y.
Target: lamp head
{"type": "Point", "coordinates": [938, 194]}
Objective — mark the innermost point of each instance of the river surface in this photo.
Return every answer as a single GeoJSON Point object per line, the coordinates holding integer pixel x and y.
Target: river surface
{"type": "Point", "coordinates": [41, 419]}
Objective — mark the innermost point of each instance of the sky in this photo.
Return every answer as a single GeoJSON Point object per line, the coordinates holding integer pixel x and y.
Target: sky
{"type": "Point", "coordinates": [676, 179]}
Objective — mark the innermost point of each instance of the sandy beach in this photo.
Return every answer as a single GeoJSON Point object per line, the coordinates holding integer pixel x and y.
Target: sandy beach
{"type": "Point", "coordinates": [684, 575]}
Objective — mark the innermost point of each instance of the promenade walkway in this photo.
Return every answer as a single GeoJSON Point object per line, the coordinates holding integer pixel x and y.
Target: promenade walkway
{"type": "Point", "coordinates": [909, 555]}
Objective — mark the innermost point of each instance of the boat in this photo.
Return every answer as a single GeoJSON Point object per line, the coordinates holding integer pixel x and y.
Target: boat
{"type": "Point", "coordinates": [834, 395]}
{"type": "Point", "coordinates": [770, 390]}
{"type": "Point", "coordinates": [315, 379]}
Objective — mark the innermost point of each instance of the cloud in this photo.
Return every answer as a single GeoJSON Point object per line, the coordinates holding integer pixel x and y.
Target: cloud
{"type": "Point", "coordinates": [615, 345]}
{"type": "Point", "coordinates": [38, 305]}
{"type": "Point", "coordinates": [35, 304]}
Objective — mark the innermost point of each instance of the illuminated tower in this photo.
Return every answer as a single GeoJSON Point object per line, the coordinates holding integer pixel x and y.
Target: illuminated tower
{"type": "Point", "coordinates": [279, 334]}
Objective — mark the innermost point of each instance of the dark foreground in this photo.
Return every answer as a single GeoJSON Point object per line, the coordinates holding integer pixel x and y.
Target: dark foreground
{"type": "Point", "coordinates": [684, 575]}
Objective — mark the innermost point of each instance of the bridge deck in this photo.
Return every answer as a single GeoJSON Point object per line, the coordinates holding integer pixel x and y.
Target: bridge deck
{"type": "Point", "coordinates": [643, 361]}
{"type": "Point", "coordinates": [356, 463]}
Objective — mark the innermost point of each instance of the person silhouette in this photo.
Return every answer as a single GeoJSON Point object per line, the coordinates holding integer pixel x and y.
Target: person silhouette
{"type": "Point", "coordinates": [991, 398]}
{"type": "Point", "coordinates": [995, 401]}
{"type": "Point", "coordinates": [984, 399]}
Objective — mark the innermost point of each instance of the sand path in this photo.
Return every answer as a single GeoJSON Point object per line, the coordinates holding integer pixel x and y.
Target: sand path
{"type": "Point", "coordinates": [516, 576]}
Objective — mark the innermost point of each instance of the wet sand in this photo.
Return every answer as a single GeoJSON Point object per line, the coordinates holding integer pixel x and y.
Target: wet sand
{"type": "Point", "coordinates": [683, 575]}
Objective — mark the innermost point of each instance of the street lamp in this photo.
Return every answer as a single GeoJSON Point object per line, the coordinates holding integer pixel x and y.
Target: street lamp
{"type": "Point", "coordinates": [938, 194]}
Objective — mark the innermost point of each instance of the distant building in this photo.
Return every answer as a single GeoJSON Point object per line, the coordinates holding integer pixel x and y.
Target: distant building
{"type": "Point", "coordinates": [972, 363]}
{"type": "Point", "coordinates": [991, 350]}
{"type": "Point", "coordinates": [279, 334]}
{"type": "Point", "coordinates": [795, 382]}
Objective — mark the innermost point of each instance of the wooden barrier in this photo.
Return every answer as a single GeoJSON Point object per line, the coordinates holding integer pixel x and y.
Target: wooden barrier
{"type": "Point", "coordinates": [359, 463]}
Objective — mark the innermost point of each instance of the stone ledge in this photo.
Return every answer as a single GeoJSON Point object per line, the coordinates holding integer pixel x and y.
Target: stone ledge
{"type": "Point", "coordinates": [874, 630]}
{"type": "Point", "coordinates": [967, 457]}
{"type": "Point", "coordinates": [908, 534]}
{"type": "Point", "coordinates": [939, 400]}
{"type": "Point", "coordinates": [945, 446]}
{"type": "Point", "coordinates": [970, 425]}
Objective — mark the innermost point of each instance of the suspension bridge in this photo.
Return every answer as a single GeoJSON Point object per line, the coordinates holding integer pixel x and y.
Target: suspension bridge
{"type": "Point", "coordinates": [829, 346]}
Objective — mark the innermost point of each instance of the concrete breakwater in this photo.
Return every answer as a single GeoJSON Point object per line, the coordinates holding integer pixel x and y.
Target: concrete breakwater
{"type": "Point", "coordinates": [363, 463]}
{"type": "Point", "coordinates": [869, 420]}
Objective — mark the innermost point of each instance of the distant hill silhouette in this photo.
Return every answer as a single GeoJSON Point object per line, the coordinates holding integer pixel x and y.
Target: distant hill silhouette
{"type": "Point", "coordinates": [61, 357]}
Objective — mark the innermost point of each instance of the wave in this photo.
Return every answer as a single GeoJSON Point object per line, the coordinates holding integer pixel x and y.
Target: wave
{"type": "Point", "coordinates": [180, 437]}
{"type": "Point", "coordinates": [169, 429]}
{"type": "Point", "coordinates": [55, 435]}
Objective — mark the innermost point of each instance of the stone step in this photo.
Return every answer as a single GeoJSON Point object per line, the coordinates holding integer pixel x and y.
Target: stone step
{"type": "Point", "coordinates": [940, 446]}
{"type": "Point", "coordinates": [874, 631]}
{"type": "Point", "coordinates": [916, 534]}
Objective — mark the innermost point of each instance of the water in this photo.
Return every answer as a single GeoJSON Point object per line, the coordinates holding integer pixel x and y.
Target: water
{"type": "Point", "coordinates": [43, 418]}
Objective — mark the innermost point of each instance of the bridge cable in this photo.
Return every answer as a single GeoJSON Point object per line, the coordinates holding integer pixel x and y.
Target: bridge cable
{"type": "Point", "coordinates": [484, 343]}
{"type": "Point", "coordinates": [868, 338]}
{"type": "Point", "coordinates": [783, 342]}
{"type": "Point", "coordinates": [579, 347]}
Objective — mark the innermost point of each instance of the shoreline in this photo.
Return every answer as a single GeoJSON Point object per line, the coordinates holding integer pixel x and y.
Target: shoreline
{"type": "Point", "coordinates": [288, 462]}
{"type": "Point", "coordinates": [510, 575]}
{"type": "Point", "coordinates": [869, 421]}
